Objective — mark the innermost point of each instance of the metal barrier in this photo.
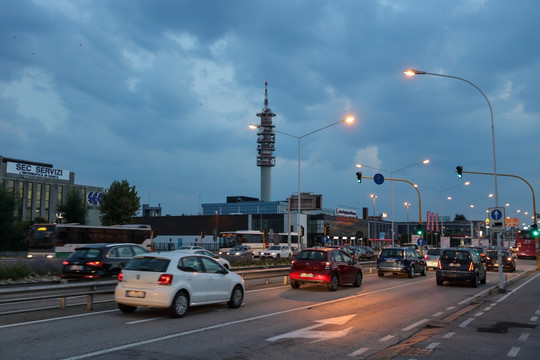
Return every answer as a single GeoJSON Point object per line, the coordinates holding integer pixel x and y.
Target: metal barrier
{"type": "Point", "coordinates": [62, 291]}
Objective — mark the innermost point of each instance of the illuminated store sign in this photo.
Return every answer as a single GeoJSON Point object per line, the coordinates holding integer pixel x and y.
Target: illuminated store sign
{"type": "Point", "coordinates": [36, 170]}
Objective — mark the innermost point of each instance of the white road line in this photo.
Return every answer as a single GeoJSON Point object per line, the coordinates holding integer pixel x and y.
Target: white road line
{"type": "Point", "coordinates": [466, 322]}
{"type": "Point", "coordinates": [386, 338]}
{"type": "Point", "coordinates": [524, 337]}
{"type": "Point", "coordinates": [53, 319]}
{"type": "Point", "coordinates": [479, 314]}
{"type": "Point", "coordinates": [144, 320]}
{"type": "Point", "coordinates": [448, 335]}
{"type": "Point", "coordinates": [412, 326]}
{"type": "Point", "coordinates": [537, 312]}
{"type": "Point", "coordinates": [432, 346]}
{"type": "Point", "coordinates": [513, 352]}
{"type": "Point", "coordinates": [517, 288]}
{"type": "Point", "coordinates": [437, 314]}
{"type": "Point", "coordinates": [488, 308]}
{"type": "Point", "coordinates": [534, 318]}
{"type": "Point", "coordinates": [450, 308]}
{"type": "Point", "coordinates": [359, 351]}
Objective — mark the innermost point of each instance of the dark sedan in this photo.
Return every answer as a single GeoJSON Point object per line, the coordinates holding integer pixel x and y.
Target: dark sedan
{"type": "Point", "coordinates": [461, 264]}
{"type": "Point", "coordinates": [508, 261]}
{"type": "Point", "coordinates": [401, 260]}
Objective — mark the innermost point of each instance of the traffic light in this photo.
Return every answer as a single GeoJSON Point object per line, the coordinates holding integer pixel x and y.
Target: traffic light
{"type": "Point", "coordinates": [326, 230]}
{"type": "Point", "coordinates": [419, 231]}
{"type": "Point", "coordinates": [534, 230]}
{"type": "Point", "coordinates": [359, 176]}
{"type": "Point", "coordinates": [459, 170]}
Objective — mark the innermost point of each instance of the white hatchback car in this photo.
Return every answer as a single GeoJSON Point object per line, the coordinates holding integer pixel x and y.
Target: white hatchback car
{"type": "Point", "coordinates": [277, 251]}
{"type": "Point", "coordinates": [176, 281]}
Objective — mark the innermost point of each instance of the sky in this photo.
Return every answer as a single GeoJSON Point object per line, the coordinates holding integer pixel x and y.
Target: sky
{"type": "Point", "coordinates": [161, 93]}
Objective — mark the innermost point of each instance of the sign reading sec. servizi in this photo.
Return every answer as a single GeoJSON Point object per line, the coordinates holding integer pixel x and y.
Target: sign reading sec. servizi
{"type": "Point", "coordinates": [36, 170]}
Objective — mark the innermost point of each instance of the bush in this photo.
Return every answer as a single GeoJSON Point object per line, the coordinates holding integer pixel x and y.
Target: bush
{"type": "Point", "coordinates": [33, 268]}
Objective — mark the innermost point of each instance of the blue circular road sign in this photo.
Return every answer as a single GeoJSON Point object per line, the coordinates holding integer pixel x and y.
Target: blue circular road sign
{"type": "Point", "coordinates": [378, 179]}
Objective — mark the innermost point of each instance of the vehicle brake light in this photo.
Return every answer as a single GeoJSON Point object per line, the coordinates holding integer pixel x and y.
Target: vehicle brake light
{"type": "Point", "coordinates": [327, 265]}
{"type": "Point", "coordinates": [95, 263]}
{"type": "Point", "coordinates": [65, 262]}
{"type": "Point", "coordinates": [439, 264]}
{"type": "Point", "coordinates": [471, 266]}
{"type": "Point", "coordinates": [165, 279]}
{"type": "Point", "coordinates": [120, 276]}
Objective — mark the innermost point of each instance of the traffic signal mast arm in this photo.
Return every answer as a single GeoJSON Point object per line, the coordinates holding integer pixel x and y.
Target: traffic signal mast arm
{"type": "Point", "coordinates": [418, 192]}
{"type": "Point", "coordinates": [514, 176]}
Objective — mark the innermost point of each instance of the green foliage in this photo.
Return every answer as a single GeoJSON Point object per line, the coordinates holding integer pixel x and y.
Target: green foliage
{"type": "Point", "coordinates": [119, 204]}
{"type": "Point", "coordinates": [7, 207]}
{"type": "Point", "coordinates": [22, 269]}
{"type": "Point", "coordinates": [460, 217]}
{"type": "Point", "coordinates": [74, 208]}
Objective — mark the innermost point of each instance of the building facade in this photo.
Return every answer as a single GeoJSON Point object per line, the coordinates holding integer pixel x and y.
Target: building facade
{"type": "Point", "coordinates": [40, 188]}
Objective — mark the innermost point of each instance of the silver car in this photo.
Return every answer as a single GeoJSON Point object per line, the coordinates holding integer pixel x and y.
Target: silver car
{"type": "Point", "coordinates": [432, 258]}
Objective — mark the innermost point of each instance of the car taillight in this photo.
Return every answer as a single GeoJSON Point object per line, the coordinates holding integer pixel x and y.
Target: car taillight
{"type": "Point", "coordinates": [120, 277]}
{"type": "Point", "coordinates": [165, 279]}
{"type": "Point", "coordinates": [439, 264]}
{"type": "Point", "coordinates": [95, 263]}
{"type": "Point", "coordinates": [471, 266]}
{"type": "Point", "coordinates": [508, 259]}
{"type": "Point", "coordinates": [65, 262]}
{"type": "Point", "coordinates": [327, 265]}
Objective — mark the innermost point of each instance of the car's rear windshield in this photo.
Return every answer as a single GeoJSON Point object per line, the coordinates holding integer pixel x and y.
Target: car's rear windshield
{"type": "Point", "coordinates": [455, 255]}
{"type": "Point", "coordinates": [494, 254]}
{"type": "Point", "coordinates": [392, 253]}
{"type": "Point", "coordinates": [86, 254]}
{"type": "Point", "coordinates": [148, 264]}
{"type": "Point", "coordinates": [311, 255]}
{"type": "Point", "coordinates": [434, 252]}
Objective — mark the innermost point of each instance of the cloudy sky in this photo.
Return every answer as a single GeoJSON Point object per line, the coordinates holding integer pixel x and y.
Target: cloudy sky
{"type": "Point", "coordinates": [161, 93]}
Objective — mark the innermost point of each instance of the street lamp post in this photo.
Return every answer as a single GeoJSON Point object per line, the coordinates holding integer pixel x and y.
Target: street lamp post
{"type": "Point", "coordinates": [348, 119]}
{"type": "Point", "coordinates": [407, 204]}
{"type": "Point", "coordinates": [373, 197]}
{"type": "Point", "coordinates": [412, 72]}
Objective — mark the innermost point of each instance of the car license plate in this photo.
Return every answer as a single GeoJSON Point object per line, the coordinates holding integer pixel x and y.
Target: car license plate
{"type": "Point", "coordinates": [76, 267]}
{"type": "Point", "coordinates": [453, 264]}
{"type": "Point", "coordinates": [306, 275]}
{"type": "Point", "coordinates": [135, 294]}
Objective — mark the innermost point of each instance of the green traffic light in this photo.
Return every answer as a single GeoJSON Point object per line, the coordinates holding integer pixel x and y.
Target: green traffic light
{"type": "Point", "coordinates": [459, 170]}
{"type": "Point", "coordinates": [359, 177]}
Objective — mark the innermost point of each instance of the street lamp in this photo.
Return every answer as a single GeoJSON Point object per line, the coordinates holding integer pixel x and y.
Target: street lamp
{"type": "Point", "coordinates": [413, 72]}
{"type": "Point", "coordinates": [407, 204]}
{"type": "Point", "coordinates": [372, 196]}
{"type": "Point", "coordinates": [424, 162]}
{"type": "Point", "coordinates": [348, 119]}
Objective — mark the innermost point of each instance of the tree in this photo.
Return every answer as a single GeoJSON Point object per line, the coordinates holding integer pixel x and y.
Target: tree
{"type": "Point", "coordinates": [74, 209]}
{"type": "Point", "coordinates": [460, 217]}
{"type": "Point", "coordinates": [119, 204]}
{"type": "Point", "coordinates": [7, 207]}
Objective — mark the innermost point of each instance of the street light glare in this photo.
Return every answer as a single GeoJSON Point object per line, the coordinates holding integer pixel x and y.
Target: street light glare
{"type": "Point", "coordinates": [412, 72]}
{"type": "Point", "coordinates": [425, 161]}
{"type": "Point", "coordinates": [349, 119]}
{"type": "Point", "coordinates": [253, 126]}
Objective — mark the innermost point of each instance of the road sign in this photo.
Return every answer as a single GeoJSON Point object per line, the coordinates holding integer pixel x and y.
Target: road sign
{"type": "Point", "coordinates": [496, 219]}
{"type": "Point", "coordinates": [378, 179]}
{"type": "Point", "coordinates": [421, 242]}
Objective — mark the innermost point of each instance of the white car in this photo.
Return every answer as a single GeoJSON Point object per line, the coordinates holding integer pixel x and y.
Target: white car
{"type": "Point", "coordinates": [277, 251]}
{"type": "Point", "coordinates": [205, 252]}
{"type": "Point", "coordinates": [176, 281]}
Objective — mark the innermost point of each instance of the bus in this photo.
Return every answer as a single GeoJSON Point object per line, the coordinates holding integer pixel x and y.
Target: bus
{"type": "Point", "coordinates": [59, 240]}
{"type": "Point", "coordinates": [254, 238]}
{"type": "Point", "coordinates": [525, 244]}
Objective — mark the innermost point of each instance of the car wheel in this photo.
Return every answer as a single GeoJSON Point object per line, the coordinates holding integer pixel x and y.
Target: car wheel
{"type": "Point", "coordinates": [358, 281]}
{"type": "Point", "coordinates": [334, 283]}
{"type": "Point", "coordinates": [179, 305]}
{"type": "Point", "coordinates": [295, 284]}
{"type": "Point", "coordinates": [380, 273]}
{"type": "Point", "coordinates": [237, 296]}
{"type": "Point", "coordinates": [411, 273]}
{"type": "Point", "coordinates": [277, 256]}
{"type": "Point", "coordinates": [424, 271]}
{"type": "Point", "coordinates": [126, 308]}
{"type": "Point", "coordinates": [439, 281]}
{"type": "Point", "coordinates": [475, 281]}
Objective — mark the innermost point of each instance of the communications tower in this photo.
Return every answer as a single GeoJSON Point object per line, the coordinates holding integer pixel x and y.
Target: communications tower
{"type": "Point", "coordinates": [266, 139]}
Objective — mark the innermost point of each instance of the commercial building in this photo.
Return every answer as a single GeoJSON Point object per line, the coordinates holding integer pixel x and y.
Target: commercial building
{"type": "Point", "coordinates": [40, 188]}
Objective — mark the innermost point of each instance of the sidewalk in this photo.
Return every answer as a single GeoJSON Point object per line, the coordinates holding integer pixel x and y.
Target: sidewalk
{"type": "Point", "coordinates": [498, 326]}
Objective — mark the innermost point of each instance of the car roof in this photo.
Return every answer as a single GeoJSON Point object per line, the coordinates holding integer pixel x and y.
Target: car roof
{"type": "Point", "coordinates": [103, 245]}
{"type": "Point", "coordinates": [169, 255]}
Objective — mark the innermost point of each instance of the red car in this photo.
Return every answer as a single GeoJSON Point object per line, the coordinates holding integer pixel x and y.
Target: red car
{"type": "Point", "coordinates": [325, 265]}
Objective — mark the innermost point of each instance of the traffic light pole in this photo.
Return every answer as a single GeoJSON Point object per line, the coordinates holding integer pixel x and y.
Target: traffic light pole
{"type": "Point", "coordinates": [534, 207]}
{"type": "Point", "coordinates": [415, 188]}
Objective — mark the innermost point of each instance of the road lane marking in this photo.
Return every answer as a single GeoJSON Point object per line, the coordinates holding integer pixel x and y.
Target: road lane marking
{"type": "Point", "coordinates": [448, 335]}
{"type": "Point", "coordinates": [523, 337]}
{"type": "Point", "coordinates": [144, 320]}
{"type": "Point", "coordinates": [466, 322]}
{"type": "Point", "coordinates": [359, 351]}
{"type": "Point", "coordinates": [53, 319]}
{"type": "Point", "coordinates": [479, 314]}
{"type": "Point", "coordinates": [437, 314]}
{"type": "Point", "coordinates": [432, 346]}
{"type": "Point", "coordinates": [412, 326]}
{"type": "Point", "coordinates": [386, 338]}
{"type": "Point", "coordinates": [307, 333]}
{"type": "Point", "coordinates": [534, 318]}
{"type": "Point", "coordinates": [513, 351]}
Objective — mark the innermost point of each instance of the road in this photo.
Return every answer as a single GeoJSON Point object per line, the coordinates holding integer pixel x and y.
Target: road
{"type": "Point", "coordinates": [393, 317]}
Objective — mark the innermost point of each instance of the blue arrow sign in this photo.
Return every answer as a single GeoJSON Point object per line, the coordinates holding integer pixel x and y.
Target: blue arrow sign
{"type": "Point", "coordinates": [378, 179]}
{"type": "Point", "coordinates": [496, 214]}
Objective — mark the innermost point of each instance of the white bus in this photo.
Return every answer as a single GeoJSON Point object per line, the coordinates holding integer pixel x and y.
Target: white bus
{"type": "Point", "coordinates": [59, 240]}
{"type": "Point", "coordinates": [254, 238]}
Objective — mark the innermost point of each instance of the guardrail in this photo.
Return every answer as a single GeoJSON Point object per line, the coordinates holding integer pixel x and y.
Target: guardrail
{"type": "Point", "coordinates": [92, 288]}
{"type": "Point", "coordinates": [62, 291]}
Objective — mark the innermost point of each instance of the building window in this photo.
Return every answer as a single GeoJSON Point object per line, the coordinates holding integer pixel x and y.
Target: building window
{"type": "Point", "coordinates": [29, 199]}
{"type": "Point", "coordinates": [38, 200]}
{"type": "Point", "coordinates": [47, 202]}
{"type": "Point", "coordinates": [19, 202]}
{"type": "Point", "coordinates": [60, 195]}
